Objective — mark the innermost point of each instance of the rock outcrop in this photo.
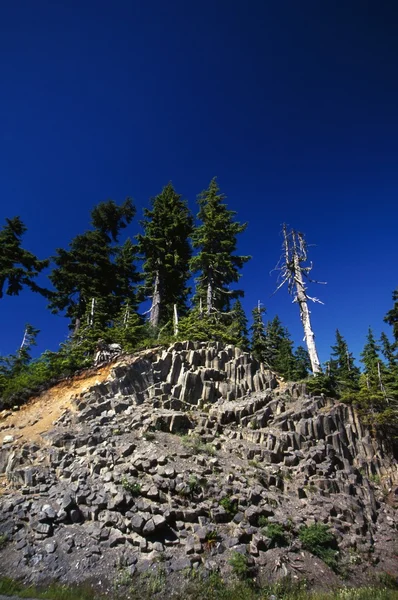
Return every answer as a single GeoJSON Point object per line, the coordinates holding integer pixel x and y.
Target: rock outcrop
{"type": "Point", "coordinates": [186, 456]}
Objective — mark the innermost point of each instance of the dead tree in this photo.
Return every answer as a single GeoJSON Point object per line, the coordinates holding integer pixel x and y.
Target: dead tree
{"type": "Point", "coordinates": [294, 273]}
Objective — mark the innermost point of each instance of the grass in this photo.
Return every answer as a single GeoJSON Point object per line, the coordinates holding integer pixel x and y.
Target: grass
{"type": "Point", "coordinates": [198, 587]}
{"type": "Point", "coordinates": [197, 446]}
{"type": "Point", "coordinates": [230, 506]}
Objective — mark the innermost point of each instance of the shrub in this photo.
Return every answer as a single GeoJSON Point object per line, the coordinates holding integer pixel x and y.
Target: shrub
{"type": "Point", "coordinates": [229, 505]}
{"type": "Point", "coordinates": [276, 533]}
{"type": "Point", "coordinates": [320, 541]}
{"type": "Point", "coordinates": [239, 564]}
{"type": "Point", "coordinates": [133, 487]}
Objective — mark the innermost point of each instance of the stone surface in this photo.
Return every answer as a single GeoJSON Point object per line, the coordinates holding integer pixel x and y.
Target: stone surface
{"type": "Point", "coordinates": [187, 455]}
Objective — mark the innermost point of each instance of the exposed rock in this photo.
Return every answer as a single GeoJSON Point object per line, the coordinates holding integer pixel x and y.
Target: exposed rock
{"type": "Point", "coordinates": [192, 453]}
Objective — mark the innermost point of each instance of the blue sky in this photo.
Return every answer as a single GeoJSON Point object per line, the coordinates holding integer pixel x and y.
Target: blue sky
{"type": "Point", "coordinates": [293, 105]}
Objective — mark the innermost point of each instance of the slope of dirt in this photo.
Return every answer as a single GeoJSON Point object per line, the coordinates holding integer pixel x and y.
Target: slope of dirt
{"type": "Point", "coordinates": [38, 415]}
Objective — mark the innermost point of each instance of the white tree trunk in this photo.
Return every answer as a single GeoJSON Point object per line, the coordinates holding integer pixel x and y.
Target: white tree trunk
{"type": "Point", "coordinates": [175, 320]}
{"type": "Point", "coordinates": [209, 299]}
{"type": "Point", "coordinates": [305, 315]}
{"type": "Point", "coordinates": [155, 308]}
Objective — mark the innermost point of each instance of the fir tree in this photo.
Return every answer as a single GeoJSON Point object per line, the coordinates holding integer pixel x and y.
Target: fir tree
{"type": "Point", "coordinates": [128, 328]}
{"type": "Point", "coordinates": [95, 268]}
{"type": "Point", "coordinates": [216, 262]}
{"type": "Point", "coordinates": [238, 327]}
{"type": "Point", "coordinates": [342, 367]}
{"type": "Point", "coordinates": [388, 350]}
{"type": "Point", "coordinates": [18, 267]}
{"type": "Point", "coordinates": [302, 363]}
{"type": "Point", "coordinates": [258, 337]}
{"type": "Point", "coordinates": [166, 252]}
{"type": "Point", "coordinates": [392, 316]}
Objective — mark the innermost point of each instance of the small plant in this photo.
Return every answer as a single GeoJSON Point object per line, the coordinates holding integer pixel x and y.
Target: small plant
{"type": "Point", "coordinates": [3, 540]}
{"type": "Point", "coordinates": [133, 487]}
{"type": "Point", "coordinates": [375, 479]}
{"type": "Point", "coordinates": [148, 436]}
{"type": "Point", "coordinates": [262, 521]}
{"type": "Point", "coordinates": [320, 541]}
{"type": "Point", "coordinates": [388, 580]}
{"type": "Point", "coordinates": [194, 485]}
{"type": "Point", "coordinates": [276, 533]}
{"type": "Point", "coordinates": [229, 505]}
{"type": "Point", "coordinates": [211, 539]}
{"type": "Point", "coordinates": [254, 463]}
{"type": "Point", "coordinates": [239, 564]}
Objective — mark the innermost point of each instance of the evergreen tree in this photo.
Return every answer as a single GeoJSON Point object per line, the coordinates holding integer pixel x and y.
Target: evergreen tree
{"type": "Point", "coordinates": [388, 350]}
{"type": "Point", "coordinates": [200, 327]}
{"type": "Point", "coordinates": [392, 316]}
{"type": "Point", "coordinates": [18, 267]}
{"type": "Point", "coordinates": [342, 367]}
{"type": "Point", "coordinates": [302, 364]}
{"type": "Point", "coordinates": [258, 337]}
{"type": "Point", "coordinates": [95, 268]}
{"type": "Point", "coordinates": [216, 240]}
{"type": "Point", "coordinates": [238, 327]}
{"type": "Point", "coordinates": [166, 252]}
{"type": "Point", "coordinates": [128, 328]}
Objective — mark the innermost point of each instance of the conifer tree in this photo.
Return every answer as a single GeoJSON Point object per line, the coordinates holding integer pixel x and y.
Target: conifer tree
{"type": "Point", "coordinates": [215, 239]}
{"type": "Point", "coordinates": [166, 252]}
{"type": "Point", "coordinates": [128, 328]}
{"type": "Point", "coordinates": [392, 316]}
{"type": "Point", "coordinates": [388, 350]}
{"type": "Point", "coordinates": [258, 337]}
{"type": "Point", "coordinates": [342, 367]}
{"type": "Point", "coordinates": [238, 327]}
{"type": "Point", "coordinates": [18, 267]}
{"type": "Point", "coordinates": [94, 267]}
{"type": "Point", "coordinates": [302, 364]}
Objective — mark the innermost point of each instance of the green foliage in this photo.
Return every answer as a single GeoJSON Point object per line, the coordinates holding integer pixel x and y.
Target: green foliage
{"type": "Point", "coordinates": [53, 591]}
{"type": "Point", "coordinates": [215, 239]}
{"type": "Point", "coordinates": [320, 541]}
{"type": "Point", "coordinates": [240, 565]}
{"type": "Point", "coordinates": [165, 249]}
{"type": "Point", "coordinates": [133, 487]}
{"type": "Point", "coordinates": [229, 505]}
{"type": "Point", "coordinates": [238, 327]}
{"type": "Point", "coordinates": [392, 316]}
{"type": "Point", "coordinates": [276, 533]}
{"type": "Point", "coordinates": [258, 337]}
{"type": "Point", "coordinates": [18, 267]}
{"type": "Point", "coordinates": [322, 383]}
{"type": "Point", "coordinates": [302, 364]}
{"type": "Point", "coordinates": [3, 540]}
{"type": "Point", "coordinates": [342, 368]}
{"type": "Point", "coordinates": [95, 267]}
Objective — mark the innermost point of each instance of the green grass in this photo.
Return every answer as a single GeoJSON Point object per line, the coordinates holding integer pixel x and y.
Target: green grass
{"type": "Point", "coordinates": [197, 587]}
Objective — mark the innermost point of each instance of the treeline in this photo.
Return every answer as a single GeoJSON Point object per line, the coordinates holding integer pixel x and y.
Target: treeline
{"type": "Point", "coordinates": [99, 284]}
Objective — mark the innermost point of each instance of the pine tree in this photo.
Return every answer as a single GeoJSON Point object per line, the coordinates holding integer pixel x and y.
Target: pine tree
{"type": "Point", "coordinates": [342, 367]}
{"type": "Point", "coordinates": [166, 252]}
{"type": "Point", "coordinates": [216, 262]}
{"type": "Point", "coordinates": [388, 350]}
{"type": "Point", "coordinates": [128, 328]}
{"type": "Point", "coordinates": [238, 327]}
{"type": "Point", "coordinates": [392, 316]}
{"type": "Point", "coordinates": [18, 267]}
{"type": "Point", "coordinates": [302, 364]}
{"type": "Point", "coordinates": [95, 268]}
{"type": "Point", "coordinates": [258, 337]}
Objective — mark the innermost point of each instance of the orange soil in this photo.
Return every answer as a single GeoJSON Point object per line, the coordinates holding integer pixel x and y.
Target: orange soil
{"type": "Point", "coordinates": [39, 414]}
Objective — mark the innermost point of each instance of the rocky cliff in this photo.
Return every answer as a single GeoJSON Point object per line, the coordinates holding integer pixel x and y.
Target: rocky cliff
{"type": "Point", "coordinates": [182, 458]}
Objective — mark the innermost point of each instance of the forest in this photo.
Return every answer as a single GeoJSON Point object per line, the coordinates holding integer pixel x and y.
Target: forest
{"type": "Point", "coordinates": [101, 285]}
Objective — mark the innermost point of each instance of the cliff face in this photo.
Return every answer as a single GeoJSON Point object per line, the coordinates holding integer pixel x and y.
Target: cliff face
{"type": "Point", "coordinates": [184, 457]}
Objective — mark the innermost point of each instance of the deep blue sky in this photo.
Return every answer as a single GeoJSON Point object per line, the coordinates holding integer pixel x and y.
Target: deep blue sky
{"type": "Point", "coordinates": [293, 105]}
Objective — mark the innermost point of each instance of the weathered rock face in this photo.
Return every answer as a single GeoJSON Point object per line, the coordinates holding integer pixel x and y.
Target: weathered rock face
{"type": "Point", "coordinates": [185, 455]}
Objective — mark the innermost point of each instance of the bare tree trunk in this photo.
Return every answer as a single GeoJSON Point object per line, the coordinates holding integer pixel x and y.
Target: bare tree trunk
{"type": "Point", "coordinates": [210, 292]}
{"type": "Point", "coordinates": [305, 316]}
{"type": "Point", "coordinates": [200, 308]}
{"type": "Point", "coordinates": [24, 339]}
{"type": "Point", "coordinates": [90, 318]}
{"type": "Point", "coordinates": [155, 308]}
{"type": "Point", "coordinates": [175, 320]}
{"type": "Point", "coordinates": [77, 325]}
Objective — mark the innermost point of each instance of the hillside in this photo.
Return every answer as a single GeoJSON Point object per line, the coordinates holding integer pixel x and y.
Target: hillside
{"type": "Point", "coordinates": [193, 458]}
